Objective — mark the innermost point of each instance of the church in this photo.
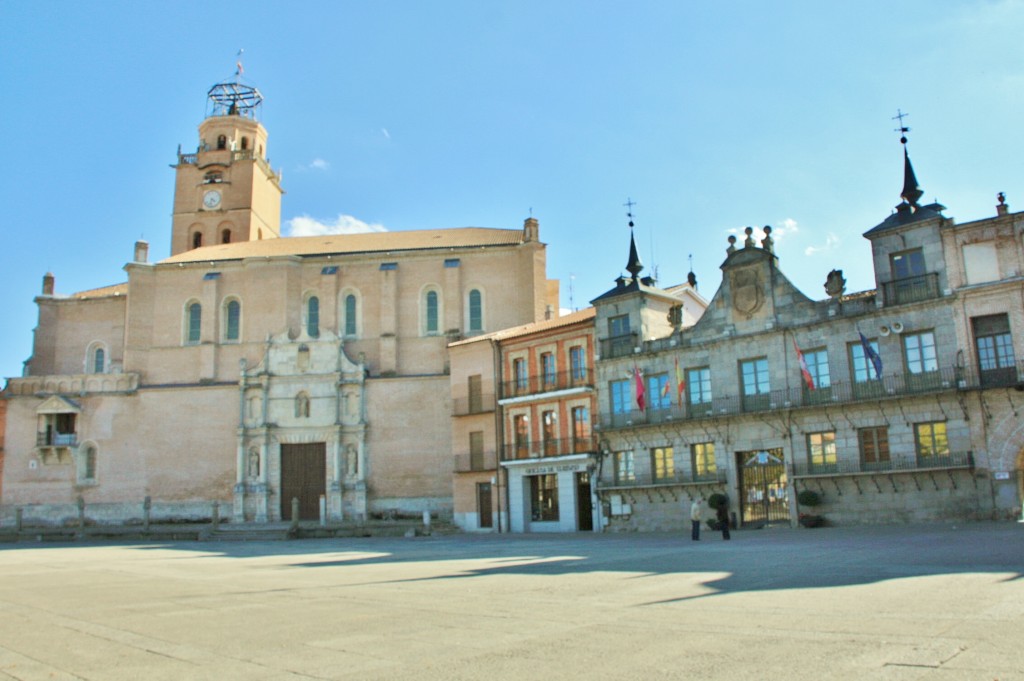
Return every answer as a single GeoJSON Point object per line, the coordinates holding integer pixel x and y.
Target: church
{"type": "Point", "coordinates": [248, 368]}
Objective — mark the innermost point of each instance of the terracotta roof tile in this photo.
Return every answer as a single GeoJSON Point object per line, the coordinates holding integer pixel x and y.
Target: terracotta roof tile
{"type": "Point", "coordinates": [534, 327]}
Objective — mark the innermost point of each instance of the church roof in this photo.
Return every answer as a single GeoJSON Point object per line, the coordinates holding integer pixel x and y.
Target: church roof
{"type": "Point", "coordinates": [102, 292]}
{"type": "Point", "coordinates": [534, 327]}
{"type": "Point", "coordinates": [351, 244]}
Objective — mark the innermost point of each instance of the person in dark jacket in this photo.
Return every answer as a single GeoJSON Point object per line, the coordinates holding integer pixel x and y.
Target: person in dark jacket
{"type": "Point", "coordinates": [722, 514]}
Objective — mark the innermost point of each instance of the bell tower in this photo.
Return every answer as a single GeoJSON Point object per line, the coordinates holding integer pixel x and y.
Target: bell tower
{"type": "Point", "coordinates": [226, 191]}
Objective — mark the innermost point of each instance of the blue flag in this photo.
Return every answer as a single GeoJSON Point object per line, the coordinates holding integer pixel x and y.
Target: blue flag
{"type": "Point", "coordinates": [870, 353]}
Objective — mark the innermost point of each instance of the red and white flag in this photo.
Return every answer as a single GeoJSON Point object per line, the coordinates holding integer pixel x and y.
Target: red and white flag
{"type": "Point", "coordinates": [808, 379]}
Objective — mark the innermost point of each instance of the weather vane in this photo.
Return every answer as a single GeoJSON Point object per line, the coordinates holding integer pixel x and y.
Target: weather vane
{"type": "Point", "coordinates": [629, 210]}
{"type": "Point", "coordinates": [903, 130]}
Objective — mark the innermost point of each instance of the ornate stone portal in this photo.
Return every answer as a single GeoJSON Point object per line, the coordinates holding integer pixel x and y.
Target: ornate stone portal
{"type": "Point", "coordinates": [304, 391]}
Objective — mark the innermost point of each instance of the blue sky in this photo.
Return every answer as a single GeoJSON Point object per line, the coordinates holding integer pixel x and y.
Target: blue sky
{"type": "Point", "coordinates": [424, 115]}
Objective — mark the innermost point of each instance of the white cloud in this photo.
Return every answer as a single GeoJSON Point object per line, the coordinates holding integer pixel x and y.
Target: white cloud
{"type": "Point", "coordinates": [387, 135]}
{"type": "Point", "coordinates": [343, 224]}
{"type": "Point", "coordinates": [319, 164]}
{"type": "Point", "coordinates": [831, 241]}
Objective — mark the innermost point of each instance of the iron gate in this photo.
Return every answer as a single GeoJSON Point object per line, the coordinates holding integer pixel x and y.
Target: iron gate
{"type": "Point", "coordinates": [763, 487]}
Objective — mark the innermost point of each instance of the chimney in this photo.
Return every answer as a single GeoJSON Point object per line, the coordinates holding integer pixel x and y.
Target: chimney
{"type": "Point", "coordinates": [48, 284]}
{"type": "Point", "coordinates": [141, 251]}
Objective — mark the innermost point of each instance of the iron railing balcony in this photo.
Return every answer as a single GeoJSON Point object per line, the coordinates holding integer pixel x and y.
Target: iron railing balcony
{"type": "Point", "coordinates": [619, 346]}
{"type": "Point", "coordinates": [476, 461]}
{"type": "Point", "coordinates": [543, 383]}
{"type": "Point", "coordinates": [465, 406]}
{"type": "Point", "coordinates": [539, 449]}
{"type": "Point", "coordinates": [56, 439]}
{"type": "Point", "coordinates": [649, 478]}
{"type": "Point", "coordinates": [900, 464]}
{"type": "Point", "coordinates": [911, 289]}
{"type": "Point", "coordinates": [900, 385]}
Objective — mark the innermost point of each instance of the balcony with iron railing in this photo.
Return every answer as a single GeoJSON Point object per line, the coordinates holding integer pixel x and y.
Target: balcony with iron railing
{"type": "Point", "coordinates": [52, 439]}
{"type": "Point", "coordinates": [650, 479]}
{"type": "Point", "coordinates": [917, 464]}
{"type": "Point", "coordinates": [476, 461]}
{"type": "Point", "coordinates": [839, 392]}
{"type": "Point", "coordinates": [539, 449]}
{"type": "Point", "coordinates": [544, 383]}
{"type": "Point", "coordinates": [477, 404]}
{"type": "Point", "coordinates": [911, 289]}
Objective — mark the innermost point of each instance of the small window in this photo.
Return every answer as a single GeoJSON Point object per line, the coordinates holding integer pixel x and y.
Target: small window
{"type": "Point", "coordinates": [578, 363]}
{"type": "Point", "coordinates": [521, 435]}
{"type": "Point", "coordinates": [98, 360]}
{"type": "Point", "coordinates": [197, 239]}
{"type": "Point", "coordinates": [87, 465]}
{"type": "Point", "coordinates": [874, 447]}
{"type": "Point", "coordinates": [193, 323]}
{"type": "Point", "coordinates": [245, 143]}
{"type": "Point", "coordinates": [233, 315]}
{"type": "Point", "coordinates": [658, 390]}
{"type": "Point", "coordinates": [222, 142]}
{"type": "Point", "coordinates": [907, 264]}
{"type": "Point", "coordinates": [698, 385]}
{"type": "Point", "coordinates": [618, 326]}
{"type": "Point", "coordinates": [519, 375]}
{"type": "Point", "coordinates": [702, 460]}
{"type": "Point", "coordinates": [431, 312]}
{"type": "Point", "coordinates": [919, 350]}
{"type": "Point", "coordinates": [476, 311]}
{"type": "Point", "coordinates": [351, 311]}
{"type": "Point", "coordinates": [624, 470]}
{"type": "Point", "coordinates": [225, 236]}
{"type": "Point", "coordinates": [663, 464]}
{"type": "Point", "coordinates": [821, 450]}
{"type": "Point", "coordinates": [547, 363]}
{"type": "Point", "coordinates": [620, 396]}
{"type": "Point", "coordinates": [931, 441]}
{"type": "Point", "coordinates": [313, 317]}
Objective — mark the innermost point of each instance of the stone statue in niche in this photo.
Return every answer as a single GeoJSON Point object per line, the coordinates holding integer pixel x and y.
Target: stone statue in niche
{"type": "Point", "coordinates": [351, 460]}
{"type": "Point", "coordinates": [254, 464]}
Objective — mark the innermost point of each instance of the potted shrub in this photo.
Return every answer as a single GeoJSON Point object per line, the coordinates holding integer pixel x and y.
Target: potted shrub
{"type": "Point", "coordinates": [716, 501]}
{"type": "Point", "coordinates": [809, 499]}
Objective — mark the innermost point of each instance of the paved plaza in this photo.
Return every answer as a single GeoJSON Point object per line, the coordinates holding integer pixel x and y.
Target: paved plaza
{"type": "Point", "coordinates": [919, 602]}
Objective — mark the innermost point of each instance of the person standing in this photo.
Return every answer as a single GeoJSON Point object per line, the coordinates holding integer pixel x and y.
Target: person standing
{"type": "Point", "coordinates": [722, 514]}
{"type": "Point", "coordinates": [696, 511]}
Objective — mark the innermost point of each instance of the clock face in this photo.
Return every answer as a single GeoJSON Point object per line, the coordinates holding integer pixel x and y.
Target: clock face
{"type": "Point", "coordinates": [211, 199]}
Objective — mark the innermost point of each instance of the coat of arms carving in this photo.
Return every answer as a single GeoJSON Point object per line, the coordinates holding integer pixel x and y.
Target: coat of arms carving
{"type": "Point", "coordinates": [747, 291]}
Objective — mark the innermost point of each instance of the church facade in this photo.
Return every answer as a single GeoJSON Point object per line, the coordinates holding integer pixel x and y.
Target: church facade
{"type": "Point", "coordinates": [249, 369]}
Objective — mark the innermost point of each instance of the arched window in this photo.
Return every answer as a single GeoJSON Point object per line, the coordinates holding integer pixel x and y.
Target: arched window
{"type": "Point", "coordinates": [90, 464]}
{"type": "Point", "coordinates": [302, 406]}
{"type": "Point", "coordinates": [232, 320]}
{"type": "Point", "coordinates": [476, 311]}
{"type": "Point", "coordinates": [313, 317]}
{"type": "Point", "coordinates": [197, 239]}
{"type": "Point", "coordinates": [225, 236]}
{"type": "Point", "coordinates": [99, 358]}
{"type": "Point", "coordinates": [431, 312]}
{"type": "Point", "coordinates": [193, 319]}
{"type": "Point", "coordinates": [222, 142]}
{"type": "Point", "coordinates": [351, 327]}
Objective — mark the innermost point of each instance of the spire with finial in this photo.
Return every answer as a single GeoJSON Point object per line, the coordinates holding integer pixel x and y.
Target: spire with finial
{"type": "Point", "coordinates": [634, 266]}
{"type": "Point", "coordinates": [911, 190]}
